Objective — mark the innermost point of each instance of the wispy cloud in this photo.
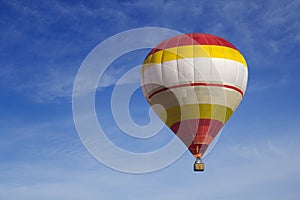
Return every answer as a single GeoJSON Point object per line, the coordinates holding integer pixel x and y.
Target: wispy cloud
{"type": "Point", "coordinates": [245, 24]}
{"type": "Point", "coordinates": [90, 180]}
{"type": "Point", "coordinates": [262, 85]}
{"type": "Point", "coordinates": [235, 170]}
{"type": "Point", "coordinates": [40, 141]}
{"type": "Point", "coordinates": [44, 44]}
{"type": "Point", "coordinates": [43, 86]}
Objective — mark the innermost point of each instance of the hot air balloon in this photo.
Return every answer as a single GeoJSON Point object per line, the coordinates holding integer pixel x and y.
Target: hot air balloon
{"type": "Point", "coordinates": [194, 82]}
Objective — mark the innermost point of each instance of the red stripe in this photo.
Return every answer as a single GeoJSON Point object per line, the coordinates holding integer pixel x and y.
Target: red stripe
{"type": "Point", "coordinates": [192, 39]}
{"type": "Point", "coordinates": [197, 134]}
{"type": "Point", "coordinates": [197, 84]}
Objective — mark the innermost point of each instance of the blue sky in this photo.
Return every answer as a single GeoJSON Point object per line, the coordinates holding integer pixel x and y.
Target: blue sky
{"type": "Point", "coordinates": [43, 44]}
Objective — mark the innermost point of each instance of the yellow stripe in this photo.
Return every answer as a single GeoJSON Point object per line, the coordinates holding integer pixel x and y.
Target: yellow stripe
{"type": "Point", "coordinates": [196, 111]}
{"type": "Point", "coordinates": [193, 51]}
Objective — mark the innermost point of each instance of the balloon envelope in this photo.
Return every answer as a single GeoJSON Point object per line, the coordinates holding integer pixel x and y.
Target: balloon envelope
{"type": "Point", "coordinates": [198, 80]}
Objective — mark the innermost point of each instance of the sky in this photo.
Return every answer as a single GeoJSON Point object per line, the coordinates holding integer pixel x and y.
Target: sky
{"type": "Point", "coordinates": [42, 46]}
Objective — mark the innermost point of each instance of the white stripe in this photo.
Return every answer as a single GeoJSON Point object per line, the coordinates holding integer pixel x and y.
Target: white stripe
{"type": "Point", "coordinates": [213, 70]}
